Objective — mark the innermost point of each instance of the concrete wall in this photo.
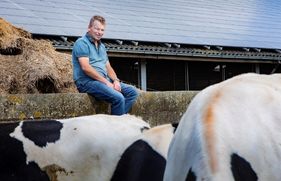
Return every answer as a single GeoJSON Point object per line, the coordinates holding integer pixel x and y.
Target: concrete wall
{"type": "Point", "coordinates": [154, 107]}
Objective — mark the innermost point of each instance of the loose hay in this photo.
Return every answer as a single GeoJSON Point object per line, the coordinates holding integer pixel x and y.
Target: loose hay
{"type": "Point", "coordinates": [31, 66]}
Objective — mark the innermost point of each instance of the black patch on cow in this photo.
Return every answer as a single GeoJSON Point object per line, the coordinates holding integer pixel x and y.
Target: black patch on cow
{"type": "Point", "coordinates": [190, 176]}
{"type": "Point", "coordinates": [140, 162]}
{"type": "Point", "coordinates": [175, 125]}
{"type": "Point", "coordinates": [42, 132]}
{"type": "Point", "coordinates": [242, 169]}
{"type": "Point", "coordinates": [13, 165]}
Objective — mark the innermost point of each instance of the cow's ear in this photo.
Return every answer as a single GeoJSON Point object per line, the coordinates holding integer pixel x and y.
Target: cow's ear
{"type": "Point", "coordinates": [144, 129]}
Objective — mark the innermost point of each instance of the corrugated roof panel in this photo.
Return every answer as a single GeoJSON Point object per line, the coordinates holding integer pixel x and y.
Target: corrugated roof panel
{"type": "Point", "coordinates": [7, 5]}
{"type": "Point", "coordinates": [251, 23]}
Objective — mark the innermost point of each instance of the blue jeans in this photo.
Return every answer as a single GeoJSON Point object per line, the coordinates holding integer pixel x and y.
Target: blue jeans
{"type": "Point", "coordinates": [121, 102]}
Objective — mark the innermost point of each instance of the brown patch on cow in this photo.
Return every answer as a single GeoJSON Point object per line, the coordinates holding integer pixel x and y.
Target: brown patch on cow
{"type": "Point", "coordinates": [158, 130]}
{"type": "Point", "coordinates": [52, 171]}
{"type": "Point", "coordinates": [208, 123]}
{"type": "Point", "coordinates": [160, 137]}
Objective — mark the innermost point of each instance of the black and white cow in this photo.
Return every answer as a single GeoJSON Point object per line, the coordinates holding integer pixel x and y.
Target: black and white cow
{"type": "Point", "coordinates": [230, 131]}
{"type": "Point", "coordinates": [98, 147]}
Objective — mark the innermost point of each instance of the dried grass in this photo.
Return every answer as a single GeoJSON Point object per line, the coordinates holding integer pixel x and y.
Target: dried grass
{"type": "Point", "coordinates": [31, 66]}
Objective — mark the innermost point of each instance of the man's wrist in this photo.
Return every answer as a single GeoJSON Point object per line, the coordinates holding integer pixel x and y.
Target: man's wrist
{"type": "Point", "coordinates": [116, 79]}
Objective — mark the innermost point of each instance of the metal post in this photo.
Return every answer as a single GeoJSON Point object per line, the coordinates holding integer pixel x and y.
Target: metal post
{"type": "Point", "coordinates": [186, 76]}
{"type": "Point", "coordinates": [222, 70]}
{"type": "Point", "coordinates": [257, 68]}
{"type": "Point", "coordinates": [143, 80]}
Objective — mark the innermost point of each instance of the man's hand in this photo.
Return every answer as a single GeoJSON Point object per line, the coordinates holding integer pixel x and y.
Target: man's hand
{"type": "Point", "coordinates": [109, 84]}
{"type": "Point", "coordinates": [116, 85]}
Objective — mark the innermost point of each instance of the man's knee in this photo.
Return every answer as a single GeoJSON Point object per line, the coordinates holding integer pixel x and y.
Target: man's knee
{"type": "Point", "coordinates": [119, 98]}
{"type": "Point", "coordinates": [132, 92]}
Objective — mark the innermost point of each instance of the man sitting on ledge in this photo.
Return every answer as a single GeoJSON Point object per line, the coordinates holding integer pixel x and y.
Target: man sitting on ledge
{"type": "Point", "coordinates": [93, 74]}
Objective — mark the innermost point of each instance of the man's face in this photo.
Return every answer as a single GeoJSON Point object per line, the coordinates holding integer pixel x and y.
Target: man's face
{"type": "Point", "coordinates": [96, 30]}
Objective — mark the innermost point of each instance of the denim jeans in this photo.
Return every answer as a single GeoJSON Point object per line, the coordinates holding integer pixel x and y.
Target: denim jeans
{"type": "Point", "coordinates": [121, 102]}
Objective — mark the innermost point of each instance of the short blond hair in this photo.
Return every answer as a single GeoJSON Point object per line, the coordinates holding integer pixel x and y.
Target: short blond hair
{"type": "Point", "coordinates": [96, 18]}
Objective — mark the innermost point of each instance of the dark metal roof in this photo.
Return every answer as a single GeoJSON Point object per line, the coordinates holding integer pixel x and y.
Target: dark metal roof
{"type": "Point", "coordinates": [150, 49]}
{"type": "Point", "coordinates": [239, 23]}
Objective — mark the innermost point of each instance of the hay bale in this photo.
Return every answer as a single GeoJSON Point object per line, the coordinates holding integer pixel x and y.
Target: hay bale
{"type": "Point", "coordinates": [31, 66]}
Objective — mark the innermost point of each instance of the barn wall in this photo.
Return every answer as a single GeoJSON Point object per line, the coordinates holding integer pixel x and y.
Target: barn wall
{"type": "Point", "coordinates": [170, 75]}
{"type": "Point", "coordinates": [154, 107]}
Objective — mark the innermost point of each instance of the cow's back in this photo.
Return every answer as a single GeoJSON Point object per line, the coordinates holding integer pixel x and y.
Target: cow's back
{"type": "Point", "coordinates": [229, 125]}
{"type": "Point", "coordinates": [82, 148]}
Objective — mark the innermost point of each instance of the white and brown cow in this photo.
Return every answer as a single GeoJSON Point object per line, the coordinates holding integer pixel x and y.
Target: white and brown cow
{"type": "Point", "coordinates": [89, 148]}
{"type": "Point", "coordinates": [230, 131]}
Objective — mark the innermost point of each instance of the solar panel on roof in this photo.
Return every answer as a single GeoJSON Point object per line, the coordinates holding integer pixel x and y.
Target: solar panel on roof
{"type": "Point", "coordinates": [241, 23]}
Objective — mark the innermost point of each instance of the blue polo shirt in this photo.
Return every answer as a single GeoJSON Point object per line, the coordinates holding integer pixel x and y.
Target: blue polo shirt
{"type": "Point", "coordinates": [85, 47]}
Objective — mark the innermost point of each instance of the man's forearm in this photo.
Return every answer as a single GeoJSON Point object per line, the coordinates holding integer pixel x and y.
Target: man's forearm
{"type": "Point", "coordinates": [91, 72]}
{"type": "Point", "coordinates": [111, 73]}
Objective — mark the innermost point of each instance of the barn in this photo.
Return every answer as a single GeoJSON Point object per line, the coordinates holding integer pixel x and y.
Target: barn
{"type": "Point", "coordinates": [160, 45]}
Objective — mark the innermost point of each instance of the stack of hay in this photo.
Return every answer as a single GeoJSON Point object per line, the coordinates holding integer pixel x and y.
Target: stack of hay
{"type": "Point", "coordinates": [31, 66]}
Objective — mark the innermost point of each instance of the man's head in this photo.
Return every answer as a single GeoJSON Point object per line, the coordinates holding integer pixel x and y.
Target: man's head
{"type": "Point", "coordinates": [96, 27]}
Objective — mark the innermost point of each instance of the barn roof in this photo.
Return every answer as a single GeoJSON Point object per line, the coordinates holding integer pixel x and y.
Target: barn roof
{"type": "Point", "coordinates": [226, 23]}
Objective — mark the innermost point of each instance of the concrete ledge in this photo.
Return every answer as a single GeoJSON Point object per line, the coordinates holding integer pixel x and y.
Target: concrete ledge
{"type": "Point", "coordinates": [154, 107]}
{"type": "Point", "coordinates": [162, 107]}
